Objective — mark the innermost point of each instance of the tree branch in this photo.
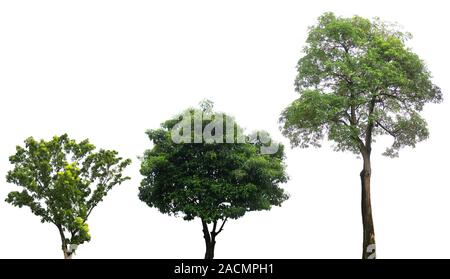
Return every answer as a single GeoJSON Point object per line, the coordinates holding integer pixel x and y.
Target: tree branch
{"type": "Point", "coordinates": [206, 233]}
{"type": "Point", "coordinates": [221, 227]}
{"type": "Point", "coordinates": [356, 138]}
{"type": "Point", "coordinates": [214, 228]}
{"type": "Point", "coordinates": [386, 129]}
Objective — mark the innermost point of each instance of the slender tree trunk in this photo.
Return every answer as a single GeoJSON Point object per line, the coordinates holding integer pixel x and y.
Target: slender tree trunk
{"type": "Point", "coordinates": [210, 241]}
{"type": "Point", "coordinates": [366, 210]}
{"type": "Point", "coordinates": [66, 252]}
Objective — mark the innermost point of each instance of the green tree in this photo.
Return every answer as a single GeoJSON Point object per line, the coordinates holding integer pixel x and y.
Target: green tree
{"type": "Point", "coordinates": [357, 80]}
{"type": "Point", "coordinates": [63, 180]}
{"type": "Point", "coordinates": [214, 180]}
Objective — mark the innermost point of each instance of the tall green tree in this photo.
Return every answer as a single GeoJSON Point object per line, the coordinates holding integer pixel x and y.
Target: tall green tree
{"type": "Point", "coordinates": [358, 80]}
{"type": "Point", "coordinates": [213, 173]}
{"type": "Point", "coordinates": [62, 181]}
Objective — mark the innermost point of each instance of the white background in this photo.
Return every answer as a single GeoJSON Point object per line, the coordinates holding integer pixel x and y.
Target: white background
{"type": "Point", "coordinates": [109, 70]}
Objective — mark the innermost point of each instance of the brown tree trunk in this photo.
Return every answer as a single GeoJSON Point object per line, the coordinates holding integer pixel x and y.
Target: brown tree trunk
{"type": "Point", "coordinates": [366, 210]}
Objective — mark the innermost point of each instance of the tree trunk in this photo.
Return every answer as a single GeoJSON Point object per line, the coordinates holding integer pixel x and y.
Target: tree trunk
{"type": "Point", "coordinates": [66, 252]}
{"type": "Point", "coordinates": [366, 210]}
{"type": "Point", "coordinates": [209, 254]}
{"type": "Point", "coordinates": [210, 241]}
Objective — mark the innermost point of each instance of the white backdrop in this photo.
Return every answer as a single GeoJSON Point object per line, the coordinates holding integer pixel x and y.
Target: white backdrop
{"type": "Point", "coordinates": [109, 70]}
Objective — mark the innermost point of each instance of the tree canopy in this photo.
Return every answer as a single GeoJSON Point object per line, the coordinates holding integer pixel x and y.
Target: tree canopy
{"type": "Point", "coordinates": [63, 180]}
{"type": "Point", "coordinates": [209, 180]}
{"type": "Point", "coordinates": [357, 79]}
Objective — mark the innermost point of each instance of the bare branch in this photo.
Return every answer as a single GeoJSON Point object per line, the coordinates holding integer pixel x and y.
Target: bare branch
{"type": "Point", "coordinates": [386, 129]}
{"type": "Point", "coordinates": [221, 227]}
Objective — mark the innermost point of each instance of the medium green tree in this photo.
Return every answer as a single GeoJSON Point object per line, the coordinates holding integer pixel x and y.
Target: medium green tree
{"type": "Point", "coordinates": [62, 181]}
{"type": "Point", "coordinates": [358, 80]}
{"type": "Point", "coordinates": [213, 173]}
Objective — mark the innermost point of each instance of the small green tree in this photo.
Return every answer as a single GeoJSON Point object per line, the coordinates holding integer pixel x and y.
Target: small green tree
{"type": "Point", "coordinates": [357, 80]}
{"type": "Point", "coordinates": [63, 180]}
{"type": "Point", "coordinates": [213, 172]}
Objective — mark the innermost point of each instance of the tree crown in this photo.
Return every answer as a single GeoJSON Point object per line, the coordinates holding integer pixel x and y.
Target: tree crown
{"type": "Point", "coordinates": [63, 180]}
{"type": "Point", "coordinates": [357, 79]}
{"type": "Point", "coordinates": [210, 180]}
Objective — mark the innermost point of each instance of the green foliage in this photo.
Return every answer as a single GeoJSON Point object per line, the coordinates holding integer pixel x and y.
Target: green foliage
{"type": "Point", "coordinates": [358, 79]}
{"type": "Point", "coordinates": [63, 180]}
{"type": "Point", "coordinates": [212, 181]}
